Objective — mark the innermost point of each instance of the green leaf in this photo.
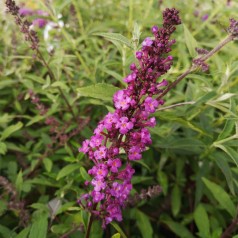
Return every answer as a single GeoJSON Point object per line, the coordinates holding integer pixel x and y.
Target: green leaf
{"type": "Point", "coordinates": [163, 181]}
{"type": "Point", "coordinates": [190, 41]}
{"type": "Point", "coordinates": [96, 230]}
{"type": "Point", "coordinates": [101, 91]}
{"type": "Point", "coordinates": [24, 233]}
{"type": "Point", "coordinates": [228, 128]}
{"type": "Point", "coordinates": [221, 196]}
{"type": "Point", "coordinates": [60, 229]}
{"type": "Point", "coordinates": [3, 207]}
{"type": "Point", "coordinates": [140, 179]}
{"type": "Point", "coordinates": [84, 174]}
{"type": "Point", "coordinates": [39, 227]}
{"type": "Point", "coordinates": [6, 232]}
{"type": "Point", "coordinates": [3, 148]}
{"type": "Point", "coordinates": [117, 235]}
{"type": "Point", "coordinates": [34, 120]}
{"type": "Point", "coordinates": [221, 161]}
{"type": "Point", "coordinates": [118, 228]}
{"type": "Point", "coordinates": [176, 200]}
{"type": "Point", "coordinates": [115, 37]}
{"type": "Point", "coordinates": [179, 229]}
{"type": "Point", "coordinates": [11, 129]}
{"type": "Point", "coordinates": [19, 182]}
{"type": "Point", "coordinates": [61, 85]}
{"type": "Point", "coordinates": [229, 151]}
{"type": "Point", "coordinates": [143, 223]}
{"type": "Point", "coordinates": [48, 164]}
{"type": "Point", "coordinates": [68, 169]}
{"type": "Point", "coordinates": [202, 221]}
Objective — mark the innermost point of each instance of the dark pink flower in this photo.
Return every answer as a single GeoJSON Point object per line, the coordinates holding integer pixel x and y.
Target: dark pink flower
{"type": "Point", "coordinates": [85, 147]}
{"type": "Point", "coordinates": [124, 125]}
{"type": "Point", "coordinates": [100, 153]}
{"type": "Point", "coordinates": [98, 185]}
{"type": "Point", "coordinates": [121, 100]}
{"type": "Point", "coordinates": [147, 42]}
{"type": "Point", "coordinates": [26, 11]}
{"type": "Point", "coordinates": [134, 153]}
{"type": "Point", "coordinates": [114, 165]}
{"type": "Point", "coordinates": [39, 22]}
{"type": "Point", "coordinates": [150, 104]}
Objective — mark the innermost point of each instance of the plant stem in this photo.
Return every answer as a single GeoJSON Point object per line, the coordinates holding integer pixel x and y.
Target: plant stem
{"type": "Point", "coordinates": [230, 229]}
{"type": "Point", "coordinates": [195, 67]}
{"type": "Point", "coordinates": [89, 226]}
{"type": "Point", "coordinates": [175, 105]}
{"type": "Point", "coordinates": [52, 76]}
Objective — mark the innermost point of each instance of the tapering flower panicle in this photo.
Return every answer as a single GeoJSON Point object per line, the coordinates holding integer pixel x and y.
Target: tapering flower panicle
{"type": "Point", "coordinates": [123, 135]}
{"type": "Point", "coordinates": [30, 35]}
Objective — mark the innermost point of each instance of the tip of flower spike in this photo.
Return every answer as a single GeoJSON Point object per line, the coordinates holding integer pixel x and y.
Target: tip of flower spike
{"type": "Point", "coordinates": [171, 17]}
{"type": "Point", "coordinates": [233, 28]}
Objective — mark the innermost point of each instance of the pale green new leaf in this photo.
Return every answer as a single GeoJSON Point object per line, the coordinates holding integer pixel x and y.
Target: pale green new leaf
{"type": "Point", "coordinates": [10, 130]}
{"type": "Point", "coordinates": [115, 37]}
{"type": "Point", "coordinates": [190, 41]}
{"type": "Point", "coordinates": [101, 91]}
{"type": "Point", "coordinates": [118, 228]}
{"type": "Point", "coordinates": [68, 169]}
{"type": "Point", "coordinates": [117, 235]}
{"type": "Point", "coordinates": [3, 148]}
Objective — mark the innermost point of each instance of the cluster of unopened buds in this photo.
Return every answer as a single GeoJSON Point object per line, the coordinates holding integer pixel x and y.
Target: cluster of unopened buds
{"type": "Point", "coordinates": [123, 135]}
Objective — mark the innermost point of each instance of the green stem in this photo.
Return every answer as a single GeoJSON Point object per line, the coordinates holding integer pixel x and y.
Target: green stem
{"type": "Point", "coordinates": [195, 67]}
{"type": "Point", "coordinates": [89, 227]}
{"type": "Point", "coordinates": [52, 76]}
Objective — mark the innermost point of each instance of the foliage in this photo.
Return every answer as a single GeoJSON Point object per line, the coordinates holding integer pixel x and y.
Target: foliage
{"type": "Point", "coordinates": [194, 156]}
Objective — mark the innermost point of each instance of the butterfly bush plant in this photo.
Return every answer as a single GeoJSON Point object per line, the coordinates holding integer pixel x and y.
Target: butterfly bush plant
{"type": "Point", "coordinates": [48, 197]}
{"type": "Point", "coordinates": [122, 136]}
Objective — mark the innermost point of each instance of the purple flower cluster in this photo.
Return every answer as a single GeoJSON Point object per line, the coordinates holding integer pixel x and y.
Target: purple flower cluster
{"type": "Point", "coordinates": [233, 28]}
{"type": "Point", "coordinates": [38, 22]}
{"type": "Point", "coordinates": [123, 135]}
